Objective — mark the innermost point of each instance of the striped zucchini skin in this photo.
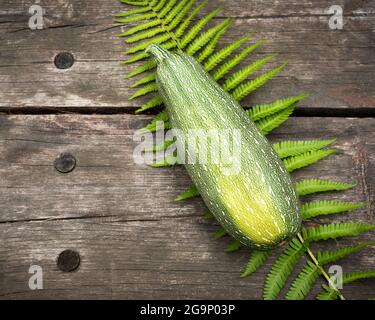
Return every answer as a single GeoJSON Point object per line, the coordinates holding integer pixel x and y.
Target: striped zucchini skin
{"type": "Point", "coordinates": [257, 205]}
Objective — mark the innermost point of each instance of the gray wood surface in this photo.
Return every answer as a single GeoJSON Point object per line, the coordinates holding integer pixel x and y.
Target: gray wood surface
{"type": "Point", "coordinates": [134, 240]}
{"type": "Point", "coordinates": [335, 66]}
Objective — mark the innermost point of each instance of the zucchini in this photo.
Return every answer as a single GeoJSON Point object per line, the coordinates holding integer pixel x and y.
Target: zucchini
{"type": "Point", "coordinates": [256, 204]}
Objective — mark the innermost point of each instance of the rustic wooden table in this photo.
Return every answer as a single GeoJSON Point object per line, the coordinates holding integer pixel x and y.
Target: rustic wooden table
{"type": "Point", "coordinates": [133, 239]}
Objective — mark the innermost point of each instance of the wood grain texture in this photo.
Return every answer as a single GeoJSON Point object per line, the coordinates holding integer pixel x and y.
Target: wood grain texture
{"type": "Point", "coordinates": [335, 67]}
{"type": "Point", "coordinates": [134, 240]}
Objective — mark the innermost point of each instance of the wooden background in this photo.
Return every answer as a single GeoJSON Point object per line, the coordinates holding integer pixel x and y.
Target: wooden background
{"type": "Point", "coordinates": [133, 239]}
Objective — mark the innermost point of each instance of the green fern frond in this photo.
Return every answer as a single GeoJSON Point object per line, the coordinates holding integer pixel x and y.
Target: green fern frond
{"type": "Point", "coordinates": [292, 148]}
{"type": "Point", "coordinates": [186, 22]}
{"type": "Point", "coordinates": [158, 39]}
{"type": "Point", "coordinates": [282, 269]}
{"type": "Point", "coordinates": [181, 14]}
{"type": "Point", "coordinates": [266, 125]}
{"type": "Point", "coordinates": [256, 260]}
{"type": "Point", "coordinates": [264, 110]}
{"type": "Point", "coordinates": [233, 246]}
{"type": "Point", "coordinates": [221, 232]}
{"type": "Point", "coordinates": [149, 33]}
{"type": "Point", "coordinates": [135, 2]}
{"type": "Point", "coordinates": [135, 18]}
{"type": "Point", "coordinates": [325, 207]}
{"type": "Point", "coordinates": [225, 52]}
{"type": "Point", "coordinates": [159, 5]}
{"type": "Point", "coordinates": [160, 118]}
{"type": "Point", "coordinates": [306, 159]}
{"type": "Point", "coordinates": [205, 37]}
{"type": "Point", "coordinates": [228, 66]}
{"type": "Point", "coordinates": [149, 65]}
{"type": "Point", "coordinates": [198, 27]}
{"type": "Point", "coordinates": [160, 147]}
{"type": "Point", "coordinates": [330, 294]}
{"type": "Point", "coordinates": [167, 8]}
{"type": "Point", "coordinates": [139, 27]}
{"type": "Point", "coordinates": [245, 89]}
{"type": "Point", "coordinates": [310, 186]}
{"type": "Point", "coordinates": [152, 103]}
{"type": "Point", "coordinates": [133, 11]}
{"type": "Point", "coordinates": [189, 193]}
{"type": "Point", "coordinates": [166, 162]}
{"type": "Point", "coordinates": [210, 47]}
{"type": "Point", "coordinates": [302, 285]}
{"type": "Point", "coordinates": [146, 79]}
{"type": "Point", "coordinates": [148, 88]}
{"type": "Point", "coordinates": [335, 230]}
{"type": "Point", "coordinates": [238, 77]}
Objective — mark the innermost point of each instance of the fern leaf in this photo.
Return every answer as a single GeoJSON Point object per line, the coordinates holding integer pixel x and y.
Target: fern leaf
{"type": "Point", "coordinates": [264, 110]}
{"type": "Point", "coordinates": [335, 230]}
{"type": "Point", "coordinates": [324, 207]}
{"type": "Point", "coordinates": [167, 8]}
{"type": "Point", "coordinates": [159, 5]}
{"type": "Point", "coordinates": [154, 102]}
{"type": "Point", "coordinates": [245, 89]}
{"type": "Point", "coordinates": [221, 232]}
{"type": "Point", "coordinates": [135, 2]}
{"type": "Point", "coordinates": [282, 269]}
{"type": "Point", "coordinates": [266, 125]}
{"type": "Point", "coordinates": [205, 37]}
{"type": "Point", "coordinates": [140, 27]}
{"type": "Point", "coordinates": [181, 14]}
{"type": "Point", "coordinates": [306, 159]}
{"type": "Point", "coordinates": [256, 260]}
{"type": "Point", "coordinates": [234, 246]}
{"type": "Point", "coordinates": [161, 117]}
{"type": "Point", "coordinates": [147, 79]}
{"type": "Point", "coordinates": [309, 186]}
{"type": "Point", "coordinates": [149, 65]}
{"type": "Point", "coordinates": [189, 193]}
{"type": "Point", "coordinates": [149, 33]}
{"type": "Point", "coordinates": [292, 148]}
{"type": "Point", "coordinates": [135, 18]}
{"type": "Point", "coordinates": [330, 294]}
{"type": "Point", "coordinates": [137, 57]}
{"type": "Point", "coordinates": [192, 33]}
{"type": "Point", "coordinates": [160, 147]}
{"type": "Point", "coordinates": [174, 11]}
{"type": "Point", "coordinates": [131, 12]}
{"type": "Point", "coordinates": [244, 73]}
{"type": "Point", "coordinates": [148, 88]}
{"type": "Point", "coordinates": [168, 161]}
{"type": "Point", "coordinates": [222, 54]}
{"type": "Point", "coordinates": [232, 63]}
{"type": "Point", "coordinates": [210, 47]}
{"type": "Point", "coordinates": [302, 285]}
{"type": "Point", "coordinates": [159, 39]}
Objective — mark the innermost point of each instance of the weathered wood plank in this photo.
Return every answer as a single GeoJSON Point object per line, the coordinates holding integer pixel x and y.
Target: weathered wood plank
{"type": "Point", "coordinates": [335, 67]}
{"type": "Point", "coordinates": [134, 240]}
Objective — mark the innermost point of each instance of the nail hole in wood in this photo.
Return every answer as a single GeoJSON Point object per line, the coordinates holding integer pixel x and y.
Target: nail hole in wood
{"type": "Point", "coordinates": [65, 163]}
{"type": "Point", "coordinates": [68, 260]}
{"type": "Point", "coordinates": [64, 60]}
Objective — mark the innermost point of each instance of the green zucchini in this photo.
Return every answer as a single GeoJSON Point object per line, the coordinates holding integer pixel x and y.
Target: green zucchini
{"type": "Point", "coordinates": [258, 204]}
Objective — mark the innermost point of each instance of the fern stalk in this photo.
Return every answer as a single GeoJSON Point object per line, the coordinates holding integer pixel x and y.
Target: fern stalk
{"type": "Point", "coordinates": [324, 273]}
